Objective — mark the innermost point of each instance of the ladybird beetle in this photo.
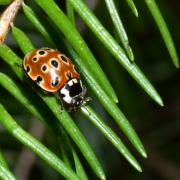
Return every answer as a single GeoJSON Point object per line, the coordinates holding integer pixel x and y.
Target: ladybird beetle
{"type": "Point", "coordinates": [54, 72]}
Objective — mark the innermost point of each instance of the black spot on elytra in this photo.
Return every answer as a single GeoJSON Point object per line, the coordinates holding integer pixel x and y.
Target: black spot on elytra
{"type": "Point", "coordinates": [54, 63]}
{"type": "Point", "coordinates": [64, 59]}
{"type": "Point", "coordinates": [41, 52]}
{"type": "Point", "coordinates": [34, 58]}
{"type": "Point", "coordinates": [27, 69]}
{"type": "Point", "coordinates": [38, 79]}
{"type": "Point", "coordinates": [68, 75]}
{"type": "Point", "coordinates": [55, 81]}
{"type": "Point", "coordinates": [44, 68]}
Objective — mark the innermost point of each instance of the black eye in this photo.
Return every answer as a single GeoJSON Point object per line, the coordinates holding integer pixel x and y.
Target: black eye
{"type": "Point", "coordinates": [63, 58]}
{"type": "Point", "coordinates": [41, 52]}
{"type": "Point", "coordinates": [34, 58]}
{"type": "Point", "coordinates": [27, 69]}
{"type": "Point", "coordinates": [54, 63]}
{"type": "Point", "coordinates": [55, 82]}
{"type": "Point", "coordinates": [39, 79]}
{"type": "Point", "coordinates": [44, 68]}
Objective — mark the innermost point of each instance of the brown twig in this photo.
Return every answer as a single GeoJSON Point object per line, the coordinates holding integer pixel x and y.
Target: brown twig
{"type": "Point", "coordinates": [7, 18]}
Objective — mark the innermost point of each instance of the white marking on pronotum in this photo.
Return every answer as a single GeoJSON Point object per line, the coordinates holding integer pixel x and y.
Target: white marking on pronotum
{"type": "Point", "coordinates": [75, 80]}
{"type": "Point", "coordinates": [70, 83]}
{"type": "Point", "coordinates": [66, 97]}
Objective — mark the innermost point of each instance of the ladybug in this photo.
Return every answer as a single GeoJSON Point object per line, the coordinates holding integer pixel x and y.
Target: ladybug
{"type": "Point", "coordinates": [54, 72]}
